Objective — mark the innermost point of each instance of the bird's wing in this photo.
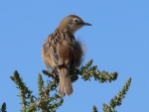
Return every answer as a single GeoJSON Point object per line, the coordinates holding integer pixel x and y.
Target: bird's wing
{"type": "Point", "coordinates": [65, 48]}
{"type": "Point", "coordinates": [60, 48]}
{"type": "Point", "coordinates": [69, 50]}
{"type": "Point", "coordinates": [49, 52]}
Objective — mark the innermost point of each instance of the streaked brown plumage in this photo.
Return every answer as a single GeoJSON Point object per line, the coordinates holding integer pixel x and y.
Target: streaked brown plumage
{"type": "Point", "coordinates": [62, 52]}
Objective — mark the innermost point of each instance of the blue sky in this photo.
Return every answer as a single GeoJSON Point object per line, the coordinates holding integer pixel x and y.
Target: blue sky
{"type": "Point", "coordinates": [117, 41]}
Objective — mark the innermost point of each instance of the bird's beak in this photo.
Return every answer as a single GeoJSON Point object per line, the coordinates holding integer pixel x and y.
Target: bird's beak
{"type": "Point", "coordinates": [87, 24]}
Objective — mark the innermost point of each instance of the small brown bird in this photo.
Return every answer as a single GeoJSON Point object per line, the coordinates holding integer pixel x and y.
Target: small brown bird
{"type": "Point", "coordinates": [62, 52]}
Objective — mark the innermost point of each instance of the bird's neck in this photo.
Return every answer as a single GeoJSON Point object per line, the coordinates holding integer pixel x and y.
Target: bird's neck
{"type": "Point", "coordinates": [66, 29]}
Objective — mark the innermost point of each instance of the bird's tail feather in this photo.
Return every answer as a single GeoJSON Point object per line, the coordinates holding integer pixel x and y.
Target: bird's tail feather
{"type": "Point", "coordinates": [65, 86]}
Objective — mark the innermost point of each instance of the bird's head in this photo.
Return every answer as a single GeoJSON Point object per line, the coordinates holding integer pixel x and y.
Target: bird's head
{"type": "Point", "coordinates": [73, 23]}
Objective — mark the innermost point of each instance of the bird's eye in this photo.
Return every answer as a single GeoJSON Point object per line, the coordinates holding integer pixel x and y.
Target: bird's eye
{"type": "Point", "coordinates": [76, 20]}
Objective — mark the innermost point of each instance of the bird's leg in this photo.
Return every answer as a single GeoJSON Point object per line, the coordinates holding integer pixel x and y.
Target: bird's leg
{"type": "Point", "coordinates": [54, 73]}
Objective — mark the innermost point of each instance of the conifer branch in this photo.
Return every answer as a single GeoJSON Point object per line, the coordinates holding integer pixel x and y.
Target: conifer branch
{"type": "Point", "coordinates": [95, 109]}
{"type": "Point", "coordinates": [3, 107]}
{"type": "Point", "coordinates": [40, 85]}
{"type": "Point", "coordinates": [46, 102]}
{"type": "Point", "coordinates": [87, 72]}
{"type": "Point", "coordinates": [50, 75]}
{"type": "Point", "coordinates": [25, 93]}
{"type": "Point", "coordinates": [117, 100]}
{"type": "Point", "coordinates": [49, 103]}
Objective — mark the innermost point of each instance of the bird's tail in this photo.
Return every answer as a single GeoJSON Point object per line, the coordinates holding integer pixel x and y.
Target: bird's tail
{"type": "Point", "coordinates": [65, 86]}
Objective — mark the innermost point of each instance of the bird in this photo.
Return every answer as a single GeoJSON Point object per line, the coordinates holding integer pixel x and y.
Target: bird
{"type": "Point", "coordinates": [61, 52]}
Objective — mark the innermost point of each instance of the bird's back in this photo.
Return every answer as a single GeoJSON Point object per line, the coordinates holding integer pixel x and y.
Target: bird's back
{"type": "Point", "coordinates": [61, 49]}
